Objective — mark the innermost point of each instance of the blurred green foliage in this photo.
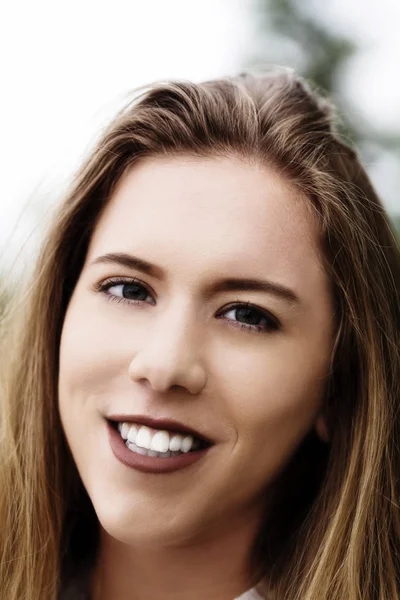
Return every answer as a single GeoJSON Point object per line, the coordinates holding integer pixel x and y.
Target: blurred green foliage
{"type": "Point", "coordinates": [396, 221]}
{"type": "Point", "coordinates": [291, 32]}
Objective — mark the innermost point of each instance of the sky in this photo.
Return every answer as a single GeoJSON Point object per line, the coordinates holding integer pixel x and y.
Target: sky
{"type": "Point", "coordinates": [67, 66]}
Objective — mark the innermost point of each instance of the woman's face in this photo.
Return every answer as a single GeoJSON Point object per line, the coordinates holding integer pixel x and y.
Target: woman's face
{"type": "Point", "coordinates": [177, 341]}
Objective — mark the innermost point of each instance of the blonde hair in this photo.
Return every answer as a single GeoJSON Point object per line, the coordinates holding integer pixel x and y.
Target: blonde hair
{"type": "Point", "coordinates": [333, 531]}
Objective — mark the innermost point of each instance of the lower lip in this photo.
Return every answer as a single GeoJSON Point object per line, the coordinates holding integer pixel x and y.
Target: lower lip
{"type": "Point", "coordinates": [150, 464]}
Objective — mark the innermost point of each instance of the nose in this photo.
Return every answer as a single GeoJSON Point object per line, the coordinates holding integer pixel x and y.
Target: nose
{"type": "Point", "coordinates": [170, 355]}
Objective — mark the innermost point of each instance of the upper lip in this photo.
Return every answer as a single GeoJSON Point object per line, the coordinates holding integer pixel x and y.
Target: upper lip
{"type": "Point", "coordinates": [166, 424]}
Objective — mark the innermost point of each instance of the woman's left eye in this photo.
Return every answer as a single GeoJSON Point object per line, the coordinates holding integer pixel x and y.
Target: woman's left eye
{"type": "Point", "coordinates": [257, 319]}
{"type": "Point", "coordinates": [245, 315]}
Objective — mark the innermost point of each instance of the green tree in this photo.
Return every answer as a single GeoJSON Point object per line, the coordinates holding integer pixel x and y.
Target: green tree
{"type": "Point", "coordinates": [396, 221]}
{"type": "Point", "coordinates": [291, 33]}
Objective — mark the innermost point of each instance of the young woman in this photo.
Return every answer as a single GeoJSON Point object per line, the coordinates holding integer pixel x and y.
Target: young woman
{"type": "Point", "coordinates": [201, 381]}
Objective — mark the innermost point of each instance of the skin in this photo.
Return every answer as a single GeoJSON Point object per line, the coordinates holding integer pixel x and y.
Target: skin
{"type": "Point", "coordinates": [256, 394]}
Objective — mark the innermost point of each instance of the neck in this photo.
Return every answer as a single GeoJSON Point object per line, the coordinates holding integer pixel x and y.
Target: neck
{"type": "Point", "coordinates": [214, 568]}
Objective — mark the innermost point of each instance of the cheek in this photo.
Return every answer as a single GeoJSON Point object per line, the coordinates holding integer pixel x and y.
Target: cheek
{"type": "Point", "coordinates": [271, 401]}
{"type": "Point", "coordinates": [272, 393]}
{"type": "Point", "coordinates": [81, 358]}
{"type": "Point", "coordinates": [91, 348]}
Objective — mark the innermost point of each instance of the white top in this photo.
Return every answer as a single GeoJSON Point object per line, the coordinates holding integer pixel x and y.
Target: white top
{"type": "Point", "coordinates": [250, 595]}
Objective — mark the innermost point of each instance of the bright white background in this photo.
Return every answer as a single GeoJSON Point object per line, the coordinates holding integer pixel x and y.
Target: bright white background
{"type": "Point", "coordinates": [66, 66]}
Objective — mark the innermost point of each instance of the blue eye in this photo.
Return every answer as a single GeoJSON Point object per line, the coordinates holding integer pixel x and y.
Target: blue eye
{"type": "Point", "coordinates": [246, 316]}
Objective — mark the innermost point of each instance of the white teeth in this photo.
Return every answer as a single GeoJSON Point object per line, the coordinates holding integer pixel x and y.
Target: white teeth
{"type": "Point", "coordinates": [160, 441]}
{"type": "Point", "coordinates": [124, 430]}
{"type": "Point", "coordinates": [152, 453]}
{"type": "Point", "coordinates": [187, 443]}
{"type": "Point", "coordinates": [132, 433]}
{"type": "Point", "coordinates": [138, 449]}
{"type": "Point", "coordinates": [156, 442]}
{"type": "Point", "coordinates": [143, 438]}
{"type": "Point", "coordinates": [175, 442]}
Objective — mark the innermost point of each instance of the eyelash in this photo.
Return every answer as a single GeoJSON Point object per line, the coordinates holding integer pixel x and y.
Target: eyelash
{"type": "Point", "coordinates": [272, 323]}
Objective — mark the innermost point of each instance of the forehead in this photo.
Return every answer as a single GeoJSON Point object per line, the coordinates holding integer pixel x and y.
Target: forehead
{"type": "Point", "coordinates": [209, 212]}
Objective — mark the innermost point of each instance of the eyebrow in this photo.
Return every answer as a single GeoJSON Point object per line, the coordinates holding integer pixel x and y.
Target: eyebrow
{"type": "Point", "coordinates": [223, 285]}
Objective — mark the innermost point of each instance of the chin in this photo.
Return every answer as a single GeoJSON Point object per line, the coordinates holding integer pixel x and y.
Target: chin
{"type": "Point", "coordinates": [134, 526]}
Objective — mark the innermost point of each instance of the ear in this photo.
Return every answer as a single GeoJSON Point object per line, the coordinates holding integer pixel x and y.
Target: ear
{"type": "Point", "coordinates": [322, 429]}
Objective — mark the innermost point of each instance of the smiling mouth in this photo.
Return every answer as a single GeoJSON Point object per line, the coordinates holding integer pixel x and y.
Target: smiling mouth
{"type": "Point", "coordinates": [158, 443]}
{"type": "Point", "coordinates": [142, 458]}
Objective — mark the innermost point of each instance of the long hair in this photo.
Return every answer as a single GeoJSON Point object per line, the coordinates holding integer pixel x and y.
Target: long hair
{"type": "Point", "coordinates": [332, 530]}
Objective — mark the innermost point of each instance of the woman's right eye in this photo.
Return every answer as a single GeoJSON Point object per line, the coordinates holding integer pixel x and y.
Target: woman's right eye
{"type": "Point", "coordinates": [124, 291]}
